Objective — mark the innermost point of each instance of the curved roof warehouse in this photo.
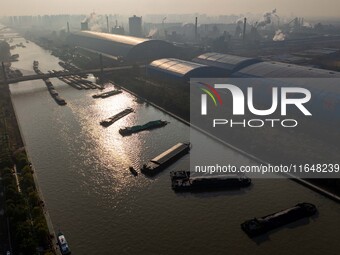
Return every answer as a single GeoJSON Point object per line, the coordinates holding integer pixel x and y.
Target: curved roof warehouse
{"type": "Point", "coordinates": [283, 70]}
{"type": "Point", "coordinates": [183, 70]}
{"type": "Point", "coordinates": [129, 48]}
{"type": "Point", "coordinates": [228, 62]}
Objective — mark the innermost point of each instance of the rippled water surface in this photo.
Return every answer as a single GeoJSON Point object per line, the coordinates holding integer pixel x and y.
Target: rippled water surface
{"type": "Point", "coordinates": [91, 196]}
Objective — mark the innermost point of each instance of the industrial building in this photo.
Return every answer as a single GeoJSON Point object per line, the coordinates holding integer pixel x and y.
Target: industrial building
{"type": "Point", "coordinates": [171, 68]}
{"type": "Point", "coordinates": [84, 26]}
{"type": "Point", "coordinates": [127, 48]}
{"type": "Point", "coordinates": [282, 70]}
{"type": "Point", "coordinates": [325, 103]}
{"type": "Point", "coordinates": [230, 63]}
{"type": "Point", "coordinates": [135, 26]}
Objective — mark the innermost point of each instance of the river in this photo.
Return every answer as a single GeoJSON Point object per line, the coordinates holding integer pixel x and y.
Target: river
{"type": "Point", "coordinates": [82, 170]}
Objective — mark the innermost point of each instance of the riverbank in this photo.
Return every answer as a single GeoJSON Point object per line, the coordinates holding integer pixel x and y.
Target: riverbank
{"type": "Point", "coordinates": [24, 207]}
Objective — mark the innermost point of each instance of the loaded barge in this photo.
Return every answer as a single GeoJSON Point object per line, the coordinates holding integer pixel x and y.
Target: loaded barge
{"type": "Point", "coordinates": [107, 94]}
{"type": "Point", "coordinates": [165, 159]}
{"type": "Point", "coordinates": [148, 126]}
{"type": "Point", "coordinates": [262, 225]}
{"type": "Point", "coordinates": [54, 94]}
{"type": "Point", "coordinates": [114, 118]}
{"type": "Point", "coordinates": [182, 181]}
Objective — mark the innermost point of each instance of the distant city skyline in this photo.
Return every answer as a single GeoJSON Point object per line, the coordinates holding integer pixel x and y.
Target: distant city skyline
{"type": "Point", "coordinates": [307, 8]}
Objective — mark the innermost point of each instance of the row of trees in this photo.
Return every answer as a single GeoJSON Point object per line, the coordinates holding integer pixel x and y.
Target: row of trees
{"type": "Point", "coordinates": [24, 209]}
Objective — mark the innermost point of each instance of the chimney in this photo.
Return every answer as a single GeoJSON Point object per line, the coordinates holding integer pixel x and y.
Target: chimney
{"type": "Point", "coordinates": [196, 28]}
{"type": "Point", "coordinates": [107, 24]}
{"type": "Point", "coordinates": [68, 27]}
{"type": "Point", "coordinates": [244, 28]}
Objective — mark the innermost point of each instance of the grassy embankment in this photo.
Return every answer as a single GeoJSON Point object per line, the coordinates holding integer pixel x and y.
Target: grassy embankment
{"type": "Point", "coordinates": [23, 207]}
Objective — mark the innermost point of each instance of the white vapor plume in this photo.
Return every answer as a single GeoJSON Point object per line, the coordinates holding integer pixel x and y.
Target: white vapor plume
{"type": "Point", "coordinates": [306, 24]}
{"type": "Point", "coordinates": [279, 36]}
{"type": "Point", "coordinates": [96, 27]}
{"type": "Point", "coordinates": [239, 21]}
{"type": "Point", "coordinates": [152, 32]}
{"type": "Point", "coordinates": [91, 17]}
{"type": "Point", "coordinates": [266, 18]}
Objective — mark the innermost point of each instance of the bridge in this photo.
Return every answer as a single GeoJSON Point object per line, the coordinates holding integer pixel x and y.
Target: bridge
{"type": "Point", "coordinates": [64, 73]}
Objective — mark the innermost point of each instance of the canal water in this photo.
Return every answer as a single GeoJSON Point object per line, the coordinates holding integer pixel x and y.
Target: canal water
{"type": "Point", "coordinates": [82, 170]}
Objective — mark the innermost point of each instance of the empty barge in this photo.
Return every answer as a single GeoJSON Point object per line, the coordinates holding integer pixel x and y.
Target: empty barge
{"type": "Point", "coordinates": [259, 226]}
{"type": "Point", "coordinates": [182, 181]}
{"type": "Point", "coordinates": [165, 159]}
{"type": "Point", "coordinates": [148, 126]}
{"type": "Point", "coordinates": [114, 118]}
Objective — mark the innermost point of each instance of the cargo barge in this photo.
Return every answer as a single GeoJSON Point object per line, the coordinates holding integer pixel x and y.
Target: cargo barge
{"type": "Point", "coordinates": [165, 159]}
{"type": "Point", "coordinates": [107, 94]}
{"type": "Point", "coordinates": [36, 67]}
{"type": "Point", "coordinates": [182, 181]}
{"type": "Point", "coordinates": [59, 100]}
{"type": "Point", "coordinates": [114, 118]}
{"type": "Point", "coordinates": [262, 225]}
{"type": "Point", "coordinates": [148, 126]}
{"type": "Point", "coordinates": [53, 92]}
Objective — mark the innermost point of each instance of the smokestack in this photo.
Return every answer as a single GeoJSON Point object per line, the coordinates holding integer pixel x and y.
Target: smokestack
{"type": "Point", "coordinates": [244, 28]}
{"type": "Point", "coordinates": [68, 27]}
{"type": "Point", "coordinates": [196, 28]}
{"type": "Point", "coordinates": [107, 24]}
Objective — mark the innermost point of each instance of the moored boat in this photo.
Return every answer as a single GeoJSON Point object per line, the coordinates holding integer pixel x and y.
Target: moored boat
{"type": "Point", "coordinates": [107, 94]}
{"type": "Point", "coordinates": [165, 159]}
{"type": "Point", "coordinates": [148, 126]}
{"type": "Point", "coordinates": [182, 181]}
{"type": "Point", "coordinates": [109, 121]}
{"type": "Point", "coordinates": [262, 225]}
{"type": "Point", "coordinates": [63, 245]}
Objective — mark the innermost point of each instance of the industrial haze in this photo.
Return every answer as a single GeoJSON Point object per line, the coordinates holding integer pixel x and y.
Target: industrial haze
{"type": "Point", "coordinates": [306, 8]}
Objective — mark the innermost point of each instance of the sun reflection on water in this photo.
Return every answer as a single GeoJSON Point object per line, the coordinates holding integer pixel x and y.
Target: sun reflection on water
{"type": "Point", "coordinates": [111, 154]}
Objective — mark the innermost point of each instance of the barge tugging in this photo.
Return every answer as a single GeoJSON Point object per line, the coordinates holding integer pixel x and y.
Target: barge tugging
{"type": "Point", "coordinates": [182, 181]}
{"type": "Point", "coordinates": [165, 159]}
{"type": "Point", "coordinates": [114, 118]}
{"type": "Point", "coordinates": [148, 126]}
{"type": "Point", "coordinates": [259, 226]}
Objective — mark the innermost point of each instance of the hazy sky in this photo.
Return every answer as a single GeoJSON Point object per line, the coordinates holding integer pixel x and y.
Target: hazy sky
{"type": "Point", "coordinates": [317, 8]}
